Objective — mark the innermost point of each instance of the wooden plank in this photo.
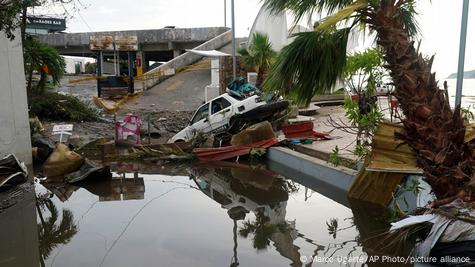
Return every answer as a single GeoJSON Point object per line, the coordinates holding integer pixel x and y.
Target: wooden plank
{"type": "Point", "coordinates": [375, 187]}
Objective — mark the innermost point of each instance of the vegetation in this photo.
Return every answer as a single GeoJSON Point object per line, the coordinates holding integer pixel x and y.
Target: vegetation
{"type": "Point", "coordinates": [467, 114]}
{"type": "Point", "coordinates": [44, 60]}
{"type": "Point", "coordinates": [365, 120]}
{"type": "Point", "coordinates": [334, 157]}
{"type": "Point", "coordinates": [90, 68]}
{"type": "Point", "coordinates": [315, 60]}
{"type": "Point", "coordinates": [262, 230]}
{"type": "Point", "coordinates": [53, 232]}
{"type": "Point", "coordinates": [58, 107]}
{"type": "Point", "coordinates": [311, 64]}
{"type": "Point", "coordinates": [363, 71]}
{"type": "Point", "coordinates": [9, 21]}
{"type": "Point", "coordinates": [260, 55]}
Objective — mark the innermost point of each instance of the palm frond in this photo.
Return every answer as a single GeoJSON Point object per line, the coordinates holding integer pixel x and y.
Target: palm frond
{"type": "Point", "coordinates": [342, 14]}
{"type": "Point", "coordinates": [408, 15]}
{"type": "Point", "coordinates": [311, 64]}
{"type": "Point", "coordinates": [301, 7]}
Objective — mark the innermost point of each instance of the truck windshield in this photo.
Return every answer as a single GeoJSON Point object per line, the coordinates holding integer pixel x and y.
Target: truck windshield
{"type": "Point", "coordinates": [202, 113]}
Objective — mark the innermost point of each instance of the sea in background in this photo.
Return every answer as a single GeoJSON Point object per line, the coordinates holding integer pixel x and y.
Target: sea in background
{"type": "Point", "coordinates": [468, 91]}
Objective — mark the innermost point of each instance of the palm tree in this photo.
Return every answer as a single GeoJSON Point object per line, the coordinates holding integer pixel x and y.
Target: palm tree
{"type": "Point", "coordinates": [43, 59]}
{"type": "Point", "coordinates": [50, 233]}
{"type": "Point", "coordinates": [259, 55]}
{"type": "Point", "coordinates": [314, 60]}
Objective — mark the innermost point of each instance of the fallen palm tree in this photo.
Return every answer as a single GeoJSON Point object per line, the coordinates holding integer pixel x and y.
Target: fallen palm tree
{"type": "Point", "coordinates": [433, 130]}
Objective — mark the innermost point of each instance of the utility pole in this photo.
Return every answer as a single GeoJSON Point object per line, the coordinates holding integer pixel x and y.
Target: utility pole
{"type": "Point", "coordinates": [234, 39]}
{"type": "Point", "coordinates": [225, 9]}
{"type": "Point", "coordinates": [463, 41]}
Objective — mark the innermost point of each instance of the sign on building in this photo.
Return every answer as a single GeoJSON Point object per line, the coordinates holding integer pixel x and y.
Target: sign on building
{"type": "Point", "coordinates": [50, 24]}
{"type": "Point", "coordinates": [111, 43]}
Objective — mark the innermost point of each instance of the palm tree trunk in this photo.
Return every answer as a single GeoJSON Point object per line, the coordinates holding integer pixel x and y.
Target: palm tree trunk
{"type": "Point", "coordinates": [260, 77]}
{"type": "Point", "coordinates": [432, 129]}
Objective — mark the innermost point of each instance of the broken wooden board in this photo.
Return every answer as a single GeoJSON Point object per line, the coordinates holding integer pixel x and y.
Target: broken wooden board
{"type": "Point", "coordinates": [375, 187]}
{"type": "Point", "coordinates": [391, 155]}
{"type": "Point", "coordinates": [385, 168]}
{"type": "Point", "coordinates": [389, 161]}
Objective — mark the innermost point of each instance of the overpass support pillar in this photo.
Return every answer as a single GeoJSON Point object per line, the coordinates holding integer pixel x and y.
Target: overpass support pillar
{"type": "Point", "coordinates": [176, 53]}
{"type": "Point", "coordinates": [140, 60]}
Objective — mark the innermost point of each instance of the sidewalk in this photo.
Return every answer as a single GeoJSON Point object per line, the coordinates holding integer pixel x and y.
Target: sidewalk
{"type": "Point", "coordinates": [345, 141]}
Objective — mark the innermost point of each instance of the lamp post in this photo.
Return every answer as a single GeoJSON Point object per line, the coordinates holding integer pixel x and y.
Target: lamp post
{"type": "Point", "coordinates": [463, 41]}
{"type": "Point", "coordinates": [233, 25]}
{"type": "Point", "coordinates": [225, 9]}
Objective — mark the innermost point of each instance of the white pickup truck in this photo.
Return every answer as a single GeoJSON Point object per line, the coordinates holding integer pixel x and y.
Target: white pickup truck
{"type": "Point", "coordinates": [228, 113]}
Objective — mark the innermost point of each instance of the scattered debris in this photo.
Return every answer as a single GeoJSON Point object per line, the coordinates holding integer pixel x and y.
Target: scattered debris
{"type": "Point", "coordinates": [12, 171]}
{"type": "Point", "coordinates": [42, 148]}
{"type": "Point", "coordinates": [229, 152]}
{"type": "Point", "coordinates": [303, 130]}
{"type": "Point", "coordinates": [14, 194]}
{"type": "Point", "coordinates": [159, 152]}
{"type": "Point", "coordinates": [450, 226]}
{"type": "Point", "coordinates": [128, 130]}
{"type": "Point", "coordinates": [86, 170]}
{"type": "Point", "coordinates": [61, 162]}
{"type": "Point", "coordinates": [58, 107]}
{"type": "Point", "coordinates": [36, 126]}
{"type": "Point", "coordinates": [254, 133]}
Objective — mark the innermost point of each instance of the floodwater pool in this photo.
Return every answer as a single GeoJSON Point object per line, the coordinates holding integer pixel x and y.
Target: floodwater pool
{"type": "Point", "coordinates": [202, 215]}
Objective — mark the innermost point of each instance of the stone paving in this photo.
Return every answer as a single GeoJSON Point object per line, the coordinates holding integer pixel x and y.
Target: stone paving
{"type": "Point", "coordinates": [345, 141]}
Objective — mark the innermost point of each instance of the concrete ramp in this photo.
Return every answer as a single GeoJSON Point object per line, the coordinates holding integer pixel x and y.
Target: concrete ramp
{"type": "Point", "coordinates": [155, 76]}
{"type": "Point", "coordinates": [185, 91]}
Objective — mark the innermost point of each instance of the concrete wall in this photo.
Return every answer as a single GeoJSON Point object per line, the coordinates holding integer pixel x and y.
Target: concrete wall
{"type": "Point", "coordinates": [339, 177]}
{"type": "Point", "coordinates": [149, 40]}
{"type": "Point", "coordinates": [185, 59]}
{"type": "Point", "coordinates": [14, 124]}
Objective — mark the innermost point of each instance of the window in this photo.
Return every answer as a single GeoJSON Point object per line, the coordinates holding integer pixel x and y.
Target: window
{"type": "Point", "coordinates": [219, 104]}
{"type": "Point", "coordinates": [202, 113]}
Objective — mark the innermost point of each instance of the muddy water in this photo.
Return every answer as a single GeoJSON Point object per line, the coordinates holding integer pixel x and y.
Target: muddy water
{"type": "Point", "coordinates": [198, 216]}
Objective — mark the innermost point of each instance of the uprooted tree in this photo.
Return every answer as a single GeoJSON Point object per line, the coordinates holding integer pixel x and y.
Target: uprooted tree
{"type": "Point", "coordinates": [314, 61]}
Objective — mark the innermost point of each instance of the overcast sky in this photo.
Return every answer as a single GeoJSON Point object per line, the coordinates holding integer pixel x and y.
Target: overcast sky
{"type": "Point", "coordinates": [439, 20]}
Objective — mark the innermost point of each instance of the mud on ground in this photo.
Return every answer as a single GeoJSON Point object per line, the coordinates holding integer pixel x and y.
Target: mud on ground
{"type": "Point", "coordinates": [165, 123]}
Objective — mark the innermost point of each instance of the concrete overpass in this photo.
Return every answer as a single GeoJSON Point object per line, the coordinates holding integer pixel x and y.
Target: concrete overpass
{"type": "Point", "coordinates": [154, 45]}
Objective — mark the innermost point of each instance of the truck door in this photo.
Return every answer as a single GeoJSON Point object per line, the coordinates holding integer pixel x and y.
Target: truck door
{"type": "Point", "coordinates": [200, 121]}
{"type": "Point", "coordinates": [221, 112]}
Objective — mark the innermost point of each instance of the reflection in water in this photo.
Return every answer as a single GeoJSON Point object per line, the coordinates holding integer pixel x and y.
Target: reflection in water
{"type": "Point", "coordinates": [242, 189]}
{"type": "Point", "coordinates": [258, 205]}
{"type": "Point", "coordinates": [116, 188]}
{"type": "Point", "coordinates": [372, 220]}
{"type": "Point", "coordinates": [52, 233]}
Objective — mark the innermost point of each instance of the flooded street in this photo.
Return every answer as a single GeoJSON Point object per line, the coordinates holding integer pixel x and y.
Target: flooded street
{"type": "Point", "coordinates": [205, 216]}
